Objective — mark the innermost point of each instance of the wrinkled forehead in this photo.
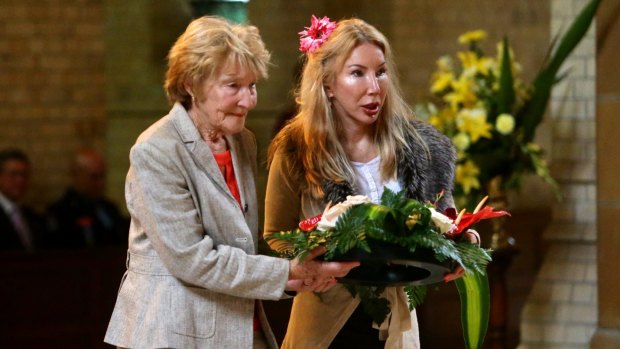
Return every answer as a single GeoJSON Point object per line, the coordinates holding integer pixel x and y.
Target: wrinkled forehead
{"type": "Point", "coordinates": [236, 69]}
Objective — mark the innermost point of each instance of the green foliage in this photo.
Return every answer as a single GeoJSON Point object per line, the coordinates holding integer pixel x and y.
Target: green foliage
{"type": "Point", "coordinates": [548, 77]}
{"type": "Point", "coordinates": [416, 295]}
{"type": "Point", "coordinates": [350, 233]}
{"type": "Point", "coordinates": [491, 115]}
{"type": "Point", "coordinates": [373, 304]}
{"type": "Point", "coordinates": [473, 258]}
{"type": "Point", "coordinates": [475, 304]}
{"type": "Point", "coordinates": [403, 222]}
{"type": "Point", "coordinates": [392, 199]}
{"type": "Point", "coordinates": [506, 94]}
{"type": "Point", "coordinates": [301, 243]}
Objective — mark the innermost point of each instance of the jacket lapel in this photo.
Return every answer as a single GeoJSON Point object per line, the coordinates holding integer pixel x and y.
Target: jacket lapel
{"type": "Point", "coordinates": [245, 181]}
{"type": "Point", "coordinates": [240, 172]}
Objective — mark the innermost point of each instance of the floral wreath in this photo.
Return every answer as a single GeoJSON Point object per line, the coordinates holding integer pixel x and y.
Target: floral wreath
{"type": "Point", "coordinates": [410, 224]}
{"type": "Point", "coordinates": [316, 34]}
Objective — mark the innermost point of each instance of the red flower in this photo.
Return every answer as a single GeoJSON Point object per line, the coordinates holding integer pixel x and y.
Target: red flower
{"type": "Point", "coordinates": [310, 223]}
{"type": "Point", "coordinates": [468, 219]}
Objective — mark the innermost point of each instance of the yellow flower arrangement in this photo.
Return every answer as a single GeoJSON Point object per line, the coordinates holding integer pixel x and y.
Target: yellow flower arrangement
{"type": "Point", "coordinates": [487, 137]}
{"type": "Point", "coordinates": [491, 115]}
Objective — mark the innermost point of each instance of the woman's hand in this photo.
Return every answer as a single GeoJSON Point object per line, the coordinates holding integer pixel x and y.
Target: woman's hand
{"type": "Point", "coordinates": [316, 276]}
{"type": "Point", "coordinates": [474, 238]}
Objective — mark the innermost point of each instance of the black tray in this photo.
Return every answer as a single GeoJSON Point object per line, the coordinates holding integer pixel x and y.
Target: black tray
{"type": "Point", "coordinates": [392, 265]}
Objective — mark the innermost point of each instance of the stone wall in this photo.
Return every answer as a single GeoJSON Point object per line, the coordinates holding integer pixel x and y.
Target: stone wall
{"type": "Point", "coordinates": [51, 85]}
{"type": "Point", "coordinates": [607, 335]}
{"type": "Point", "coordinates": [90, 72]}
{"type": "Point", "coordinates": [561, 311]}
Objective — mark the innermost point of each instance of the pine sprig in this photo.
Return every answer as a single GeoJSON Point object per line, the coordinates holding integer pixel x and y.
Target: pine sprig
{"type": "Point", "coordinates": [348, 234]}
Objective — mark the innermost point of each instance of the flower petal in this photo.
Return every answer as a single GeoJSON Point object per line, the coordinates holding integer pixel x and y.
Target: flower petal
{"type": "Point", "coordinates": [470, 219]}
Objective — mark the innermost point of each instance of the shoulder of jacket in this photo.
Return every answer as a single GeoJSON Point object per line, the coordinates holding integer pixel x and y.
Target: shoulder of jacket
{"type": "Point", "coordinates": [435, 140]}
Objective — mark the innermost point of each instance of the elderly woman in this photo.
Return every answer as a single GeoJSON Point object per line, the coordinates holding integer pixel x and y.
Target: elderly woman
{"type": "Point", "coordinates": [353, 134]}
{"type": "Point", "coordinates": [193, 277]}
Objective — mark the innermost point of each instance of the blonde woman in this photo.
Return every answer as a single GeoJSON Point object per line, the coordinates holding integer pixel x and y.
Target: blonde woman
{"type": "Point", "coordinates": [353, 134]}
{"type": "Point", "coordinates": [193, 277]}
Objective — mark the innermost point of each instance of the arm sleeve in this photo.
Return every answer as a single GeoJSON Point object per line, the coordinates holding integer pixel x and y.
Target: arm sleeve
{"type": "Point", "coordinates": [282, 201]}
{"type": "Point", "coordinates": [161, 202]}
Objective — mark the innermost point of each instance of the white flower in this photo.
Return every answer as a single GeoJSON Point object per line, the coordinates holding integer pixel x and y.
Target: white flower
{"type": "Point", "coordinates": [331, 214]}
{"type": "Point", "coordinates": [443, 222]}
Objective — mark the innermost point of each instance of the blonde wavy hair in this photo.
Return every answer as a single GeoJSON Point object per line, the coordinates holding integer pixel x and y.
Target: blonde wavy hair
{"type": "Point", "coordinates": [315, 129]}
{"type": "Point", "coordinates": [209, 44]}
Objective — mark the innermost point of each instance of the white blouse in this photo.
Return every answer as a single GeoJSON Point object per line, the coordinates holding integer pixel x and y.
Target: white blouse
{"type": "Point", "coordinates": [368, 180]}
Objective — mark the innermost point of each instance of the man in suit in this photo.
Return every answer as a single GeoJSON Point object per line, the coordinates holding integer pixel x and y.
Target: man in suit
{"type": "Point", "coordinates": [20, 227]}
{"type": "Point", "coordinates": [83, 216]}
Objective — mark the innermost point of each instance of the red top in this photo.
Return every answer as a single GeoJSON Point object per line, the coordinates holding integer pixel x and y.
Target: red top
{"type": "Point", "coordinates": [224, 162]}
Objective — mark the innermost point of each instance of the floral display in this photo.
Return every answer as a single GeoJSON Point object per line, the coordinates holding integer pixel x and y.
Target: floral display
{"type": "Point", "coordinates": [315, 35]}
{"type": "Point", "coordinates": [491, 115]}
{"type": "Point", "coordinates": [357, 223]}
{"type": "Point", "coordinates": [488, 132]}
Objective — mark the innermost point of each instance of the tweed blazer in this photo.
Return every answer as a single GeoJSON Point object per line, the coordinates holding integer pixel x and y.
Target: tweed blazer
{"type": "Point", "coordinates": [192, 271]}
{"type": "Point", "coordinates": [315, 321]}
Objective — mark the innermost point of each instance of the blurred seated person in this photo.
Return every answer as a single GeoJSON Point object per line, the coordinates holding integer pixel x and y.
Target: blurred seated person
{"type": "Point", "coordinates": [21, 228]}
{"type": "Point", "coordinates": [84, 217]}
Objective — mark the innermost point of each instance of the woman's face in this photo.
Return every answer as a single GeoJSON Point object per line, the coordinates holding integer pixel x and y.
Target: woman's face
{"type": "Point", "coordinates": [360, 87]}
{"type": "Point", "coordinates": [226, 99]}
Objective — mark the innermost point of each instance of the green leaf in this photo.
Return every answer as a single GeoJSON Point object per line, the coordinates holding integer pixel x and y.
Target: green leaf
{"type": "Point", "coordinates": [475, 303]}
{"type": "Point", "coordinates": [390, 199]}
{"type": "Point", "coordinates": [371, 301]}
{"type": "Point", "coordinates": [506, 93]}
{"type": "Point", "coordinates": [349, 232]}
{"type": "Point", "coordinates": [416, 295]}
{"type": "Point", "coordinates": [473, 257]}
{"type": "Point", "coordinates": [534, 111]}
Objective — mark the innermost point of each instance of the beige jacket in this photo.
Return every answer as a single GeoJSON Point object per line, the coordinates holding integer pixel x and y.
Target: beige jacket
{"type": "Point", "coordinates": [192, 274]}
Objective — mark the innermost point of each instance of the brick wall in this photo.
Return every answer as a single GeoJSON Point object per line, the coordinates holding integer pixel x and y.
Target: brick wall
{"type": "Point", "coordinates": [51, 85]}
{"type": "Point", "coordinates": [561, 311]}
{"type": "Point", "coordinates": [89, 72]}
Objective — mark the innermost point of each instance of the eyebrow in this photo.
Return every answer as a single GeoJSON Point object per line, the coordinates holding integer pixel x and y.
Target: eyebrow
{"type": "Point", "coordinates": [362, 66]}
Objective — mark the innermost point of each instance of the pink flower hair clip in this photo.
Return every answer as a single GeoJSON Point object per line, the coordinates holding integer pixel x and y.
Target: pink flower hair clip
{"type": "Point", "coordinates": [315, 35]}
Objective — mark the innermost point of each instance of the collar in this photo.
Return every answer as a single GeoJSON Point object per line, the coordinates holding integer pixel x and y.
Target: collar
{"type": "Point", "coordinates": [7, 205]}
